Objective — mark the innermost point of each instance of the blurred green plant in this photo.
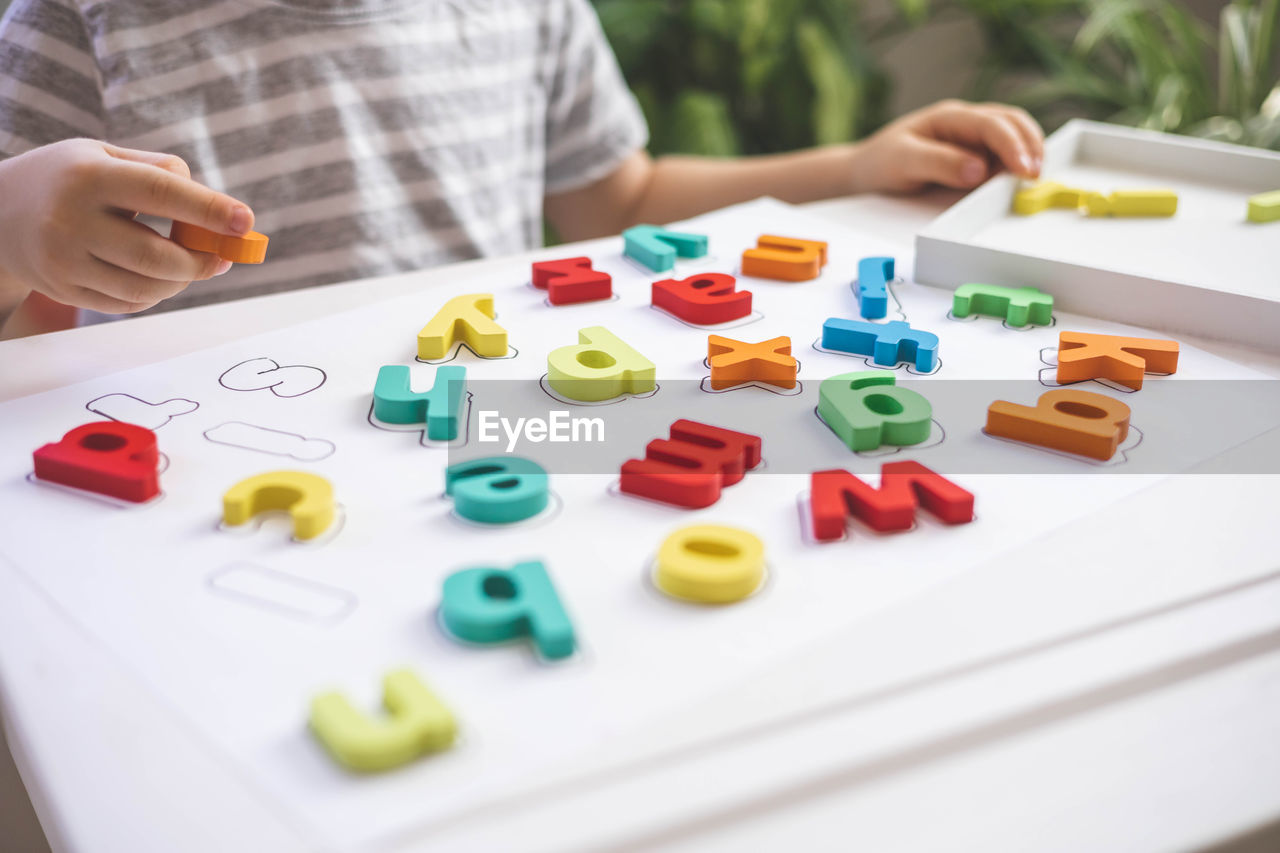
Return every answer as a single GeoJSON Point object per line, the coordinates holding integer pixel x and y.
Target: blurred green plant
{"type": "Point", "coordinates": [724, 77]}
{"type": "Point", "coordinates": [1146, 63]}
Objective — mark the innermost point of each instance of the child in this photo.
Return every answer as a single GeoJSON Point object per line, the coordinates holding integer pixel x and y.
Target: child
{"type": "Point", "coordinates": [364, 137]}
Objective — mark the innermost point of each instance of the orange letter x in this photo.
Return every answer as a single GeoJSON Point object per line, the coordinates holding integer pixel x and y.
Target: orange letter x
{"type": "Point", "coordinates": [735, 362]}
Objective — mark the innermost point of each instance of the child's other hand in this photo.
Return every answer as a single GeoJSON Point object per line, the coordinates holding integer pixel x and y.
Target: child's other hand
{"type": "Point", "coordinates": [67, 226]}
{"type": "Point", "coordinates": [952, 143]}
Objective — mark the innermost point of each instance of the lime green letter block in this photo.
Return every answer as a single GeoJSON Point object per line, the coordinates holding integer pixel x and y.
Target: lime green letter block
{"type": "Point", "coordinates": [464, 318]}
{"type": "Point", "coordinates": [493, 606]}
{"type": "Point", "coordinates": [417, 723]}
{"type": "Point", "coordinates": [1017, 306]}
{"type": "Point", "coordinates": [602, 366]}
{"type": "Point", "coordinates": [395, 403]}
{"type": "Point", "coordinates": [497, 489]}
{"type": "Point", "coordinates": [866, 409]}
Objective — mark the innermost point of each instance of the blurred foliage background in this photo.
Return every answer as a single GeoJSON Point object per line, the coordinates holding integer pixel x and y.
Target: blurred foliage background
{"type": "Point", "coordinates": [724, 77]}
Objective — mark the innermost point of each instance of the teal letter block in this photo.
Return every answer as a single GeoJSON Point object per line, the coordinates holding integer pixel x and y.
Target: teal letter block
{"type": "Point", "coordinates": [394, 403]}
{"type": "Point", "coordinates": [1017, 306]}
{"type": "Point", "coordinates": [886, 343]}
{"type": "Point", "coordinates": [866, 410]}
{"type": "Point", "coordinates": [657, 248]}
{"type": "Point", "coordinates": [493, 606]}
{"type": "Point", "coordinates": [497, 489]}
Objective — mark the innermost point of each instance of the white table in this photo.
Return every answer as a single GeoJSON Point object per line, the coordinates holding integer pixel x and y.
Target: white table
{"type": "Point", "coordinates": [1068, 723]}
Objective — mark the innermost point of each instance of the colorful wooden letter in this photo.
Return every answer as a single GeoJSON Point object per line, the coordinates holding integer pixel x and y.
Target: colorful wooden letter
{"type": "Point", "coordinates": [395, 403]}
{"type": "Point", "coordinates": [107, 457]}
{"type": "Point", "coordinates": [1078, 422]}
{"type": "Point", "coordinates": [886, 343]}
{"type": "Point", "coordinates": [866, 410]}
{"type": "Point", "coordinates": [691, 467]}
{"type": "Point", "coordinates": [1017, 306]}
{"type": "Point", "coordinates": [657, 248]}
{"type": "Point", "coordinates": [904, 486]}
{"type": "Point", "coordinates": [872, 287]}
{"type": "Point", "coordinates": [1046, 194]}
{"type": "Point", "coordinates": [468, 319]}
{"type": "Point", "coordinates": [571, 280]}
{"type": "Point", "coordinates": [417, 723]}
{"type": "Point", "coordinates": [493, 606]}
{"type": "Point", "coordinates": [703, 299]}
{"type": "Point", "coordinates": [1121, 359]}
{"type": "Point", "coordinates": [785, 258]}
{"type": "Point", "coordinates": [710, 564]}
{"type": "Point", "coordinates": [735, 362]}
{"type": "Point", "coordinates": [602, 366]}
{"type": "Point", "coordinates": [1131, 203]}
{"type": "Point", "coordinates": [497, 489]}
{"type": "Point", "coordinates": [308, 498]}
{"type": "Point", "coordinates": [1264, 207]}
{"type": "Point", "coordinates": [249, 249]}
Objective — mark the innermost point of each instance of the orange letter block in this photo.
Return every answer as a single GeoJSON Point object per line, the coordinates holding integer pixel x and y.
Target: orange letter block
{"type": "Point", "coordinates": [1064, 419]}
{"type": "Point", "coordinates": [249, 249]}
{"type": "Point", "coordinates": [735, 362]}
{"type": "Point", "coordinates": [785, 258]}
{"type": "Point", "coordinates": [1123, 360]}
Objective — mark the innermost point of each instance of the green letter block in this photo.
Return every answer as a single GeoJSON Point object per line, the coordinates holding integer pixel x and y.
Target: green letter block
{"type": "Point", "coordinates": [497, 489]}
{"type": "Point", "coordinates": [493, 606]}
{"type": "Point", "coordinates": [602, 366]}
{"type": "Point", "coordinates": [866, 409]}
{"type": "Point", "coordinates": [394, 403]}
{"type": "Point", "coordinates": [657, 248]}
{"type": "Point", "coordinates": [418, 723]}
{"type": "Point", "coordinates": [1017, 306]}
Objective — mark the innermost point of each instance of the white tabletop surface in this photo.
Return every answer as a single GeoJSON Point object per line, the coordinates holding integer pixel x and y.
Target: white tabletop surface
{"type": "Point", "coordinates": [1113, 686]}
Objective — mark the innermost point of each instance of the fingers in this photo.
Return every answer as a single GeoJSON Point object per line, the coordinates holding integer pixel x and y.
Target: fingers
{"type": "Point", "coordinates": [133, 247]}
{"type": "Point", "coordinates": [159, 192]}
{"type": "Point", "coordinates": [931, 161]}
{"type": "Point", "coordinates": [169, 162]}
{"type": "Point", "coordinates": [981, 127]}
{"type": "Point", "coordinates": [125, 291]}
{"type": "Point", "coordinates": [1029, 128]}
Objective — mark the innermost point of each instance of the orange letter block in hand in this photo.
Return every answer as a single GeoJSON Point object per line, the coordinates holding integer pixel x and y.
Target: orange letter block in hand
{"type": "Point", "coordinates": [1123, 360]}
{"type": "Point", "coordinates": [249, 249]}
{"type": "Point", "coordinates": [1064, 419]}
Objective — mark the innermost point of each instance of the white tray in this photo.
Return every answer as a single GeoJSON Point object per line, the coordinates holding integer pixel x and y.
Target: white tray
{"type": "Point", "coordinates": [1206, 271]}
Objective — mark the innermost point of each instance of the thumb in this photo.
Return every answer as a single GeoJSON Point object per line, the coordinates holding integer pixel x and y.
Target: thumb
{"type": "Point", "coordinates": [927, 159]}
{"type": "Point", "coordinates": [169, 162]}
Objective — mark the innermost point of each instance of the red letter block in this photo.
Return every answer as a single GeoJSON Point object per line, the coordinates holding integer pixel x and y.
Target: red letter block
{"type": "Point", "coordinates": [691, 467]}
{"type": "Point", "coordinates": [571, 280]}
{"type": "Point", "coordinates": [108, 457]}
{"type": "Point", "coordinates": [835, 495]}
{"type": "Point", "coordinates": [703, 299]}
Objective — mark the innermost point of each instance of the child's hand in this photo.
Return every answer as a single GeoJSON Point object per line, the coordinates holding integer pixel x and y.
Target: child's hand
{"type": "Point", "coordinates": [67, 229]}
{"type": "Point", "coordinates": [953, 143]}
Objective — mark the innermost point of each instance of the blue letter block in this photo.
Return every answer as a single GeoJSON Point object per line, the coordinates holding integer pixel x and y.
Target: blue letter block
{"type": "Point", "coordinates": [493, 606]}
{"type": "Point", "coordinates": [887, 343]}
{"type": "Point", "coordinates": [657, 248]}
{"type": "Point", "coordinates": [394, 403]}
{"type": "Point", "coordinates": [497, 489]}
{"type": "Point", "coordinates": [872, 288]}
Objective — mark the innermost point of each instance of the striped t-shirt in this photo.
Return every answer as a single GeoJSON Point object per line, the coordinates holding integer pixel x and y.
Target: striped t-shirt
{"type": "Point", "coordinates": [368, 136]}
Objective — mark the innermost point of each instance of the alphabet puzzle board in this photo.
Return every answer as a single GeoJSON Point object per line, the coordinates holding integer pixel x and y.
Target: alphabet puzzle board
{"type": "Point", "coordinates": [238, 630]}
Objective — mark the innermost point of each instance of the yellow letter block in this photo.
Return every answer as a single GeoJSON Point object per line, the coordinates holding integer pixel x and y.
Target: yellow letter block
{"type": "Point", "coordinates": [308, 498]}
{"type": "Point", "coordinates": [602, 366]}
{"type": "Point", "coordinates": [1043, 195]}
{"type": "Point", "coordinates": [1265, 207]}
{"type": "Point", "coordinates": [467, 318]}
{"type": "Point", "coordinates": [710, 564]}
{"type": "Point", "coordinates": [1131, 203]}
{"type": "Point", "coordinates": [417, 723]}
